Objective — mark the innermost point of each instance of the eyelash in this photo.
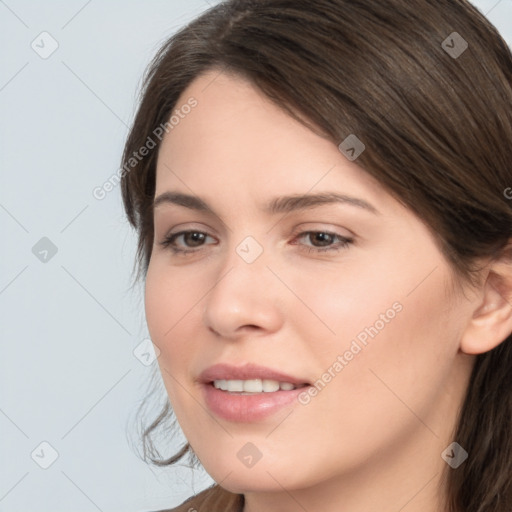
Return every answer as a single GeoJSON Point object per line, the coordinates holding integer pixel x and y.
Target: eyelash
{"type": "Point", "coordinates": [344, 242]}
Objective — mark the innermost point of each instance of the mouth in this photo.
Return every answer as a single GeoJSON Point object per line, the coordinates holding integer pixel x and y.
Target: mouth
{"type": "Point", "coordinates": [249, 393]}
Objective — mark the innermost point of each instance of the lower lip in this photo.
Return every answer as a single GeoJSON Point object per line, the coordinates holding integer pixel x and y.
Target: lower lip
{"type": "Point", "coordinates": [248, 408]}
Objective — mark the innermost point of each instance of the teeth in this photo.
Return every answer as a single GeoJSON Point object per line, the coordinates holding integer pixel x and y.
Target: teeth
{"type": "Point", "coordinates": [253, 385]}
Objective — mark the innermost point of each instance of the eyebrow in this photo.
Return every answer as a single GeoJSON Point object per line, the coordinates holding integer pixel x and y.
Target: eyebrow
{"type": "Point", "coordinates": [284, 204]}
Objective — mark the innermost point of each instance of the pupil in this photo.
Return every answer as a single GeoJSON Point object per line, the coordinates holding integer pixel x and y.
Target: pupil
{"type": "Point", "coordinates": [196, 237]}
{"type": "Point", "coordinates": [323, 237]}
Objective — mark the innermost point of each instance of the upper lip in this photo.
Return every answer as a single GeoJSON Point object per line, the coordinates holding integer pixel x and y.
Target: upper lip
{"type": "Point", "coordinates": [225, 371]}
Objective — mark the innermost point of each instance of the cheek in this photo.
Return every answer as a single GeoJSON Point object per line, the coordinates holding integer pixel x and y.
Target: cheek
{"type": "Point", "coordinates": [394, 330]}
{"type": "Point", "coordinates": [348, 299]}
{"type": "Point", "coordinates": [169, 307]}
{"type": "Point", "coordinates": [399, 378]}
{"type": "Point", "coordinates": [170, 311]}
{"type": "Point", "coordinates": [365, 299]}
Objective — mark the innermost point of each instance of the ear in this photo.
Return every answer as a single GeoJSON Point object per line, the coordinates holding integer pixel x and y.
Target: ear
{"type": "Point", "coordinates": [491, 322]}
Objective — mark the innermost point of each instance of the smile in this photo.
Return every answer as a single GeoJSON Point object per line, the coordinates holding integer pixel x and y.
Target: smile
{"type": "Point", "coordinates": [254, 386]}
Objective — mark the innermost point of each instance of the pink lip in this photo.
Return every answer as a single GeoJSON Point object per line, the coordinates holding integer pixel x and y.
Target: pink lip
{"type": "Point", "coordinates": [246, 408]}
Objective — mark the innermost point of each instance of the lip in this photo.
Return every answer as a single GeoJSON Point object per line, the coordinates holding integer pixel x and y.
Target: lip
{"type": "Point", "coordinates": [237, 407]}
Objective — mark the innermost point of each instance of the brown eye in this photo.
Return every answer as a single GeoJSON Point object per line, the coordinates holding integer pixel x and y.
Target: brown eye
{"type": "Point", "coordinates": [325, 241]}
{"type": "Point", "coordinates": [191, 239]}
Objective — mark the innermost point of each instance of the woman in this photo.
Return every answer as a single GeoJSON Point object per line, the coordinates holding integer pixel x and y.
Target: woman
{"type": "Point", "coordinates": [320, 194]}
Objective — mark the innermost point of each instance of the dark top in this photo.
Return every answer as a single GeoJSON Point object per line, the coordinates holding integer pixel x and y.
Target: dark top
{"type": "Point", "coordinates": [212, 499]}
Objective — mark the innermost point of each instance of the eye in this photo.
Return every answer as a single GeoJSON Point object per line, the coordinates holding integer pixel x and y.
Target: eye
{"type": "Point", "coordinates": [194, 238]}
{"type": "Point", "coordinates": [194, 241]}
{"type": "Point", "coordinates": [325, 239]}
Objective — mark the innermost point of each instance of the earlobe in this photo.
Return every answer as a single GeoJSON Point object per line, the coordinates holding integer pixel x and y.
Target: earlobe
{"type": "Point", "coordinates": [491, 322]}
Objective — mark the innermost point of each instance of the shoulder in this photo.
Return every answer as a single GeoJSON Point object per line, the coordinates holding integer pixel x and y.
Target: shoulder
{"type": "Point", "coordinates": [212, 499]}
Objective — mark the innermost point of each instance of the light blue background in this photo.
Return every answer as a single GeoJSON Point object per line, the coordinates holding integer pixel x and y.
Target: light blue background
{"type": "Point", "coordinates": [68, 327]}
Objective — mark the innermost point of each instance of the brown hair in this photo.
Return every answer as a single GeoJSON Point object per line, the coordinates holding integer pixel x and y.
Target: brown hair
{"type": "Point", "coordinates": [436, 120]}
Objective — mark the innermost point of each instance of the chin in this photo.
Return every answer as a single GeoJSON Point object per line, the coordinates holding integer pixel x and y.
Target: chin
{"type": "Point", "coordinates": [262, 477]}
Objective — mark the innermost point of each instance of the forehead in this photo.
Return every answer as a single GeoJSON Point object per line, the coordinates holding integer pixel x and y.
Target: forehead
{"type": "Point", "coordinates": [238, 139]}
{"type": "Point", "coordinates": [233, 117]}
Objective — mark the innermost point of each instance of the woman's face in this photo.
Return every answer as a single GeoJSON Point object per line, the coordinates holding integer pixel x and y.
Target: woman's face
{"type": "Point", "coordinates": [348, 299]}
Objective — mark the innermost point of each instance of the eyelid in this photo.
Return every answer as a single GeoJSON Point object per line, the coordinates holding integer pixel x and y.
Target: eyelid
{"type": "Point", "coordinates": [186, 226]}
{"type": "Point", "coordinates": [324, 228]}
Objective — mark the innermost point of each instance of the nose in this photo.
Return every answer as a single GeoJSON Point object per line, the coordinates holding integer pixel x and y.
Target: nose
{"type": "Point", "coordinates": [244, 299]}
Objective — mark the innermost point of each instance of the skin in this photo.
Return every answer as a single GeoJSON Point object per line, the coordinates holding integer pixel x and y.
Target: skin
{"type": "Point", "coordinates": [372, 438]}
